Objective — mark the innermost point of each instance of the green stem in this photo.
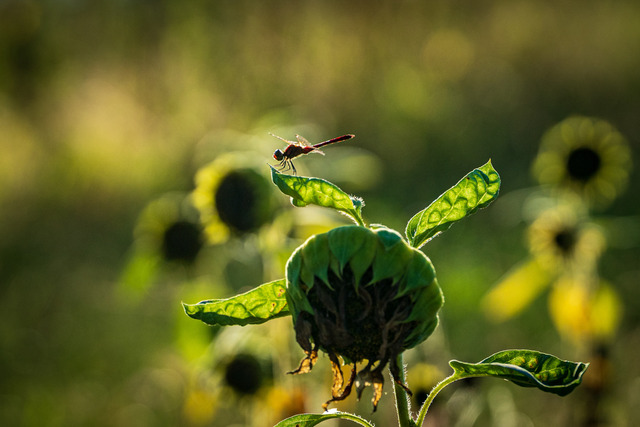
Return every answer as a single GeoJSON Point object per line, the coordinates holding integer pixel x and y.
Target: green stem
{"type": "Point", "coordinates": [425, 406]}
{"type": "Point", "coordinates": [355, 419]}
{"type": "Point", "coordinates": [402, 399]}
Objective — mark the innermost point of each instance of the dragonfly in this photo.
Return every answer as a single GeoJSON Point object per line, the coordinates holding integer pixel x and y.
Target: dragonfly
{"type": "Point", "coordinates": [300, 147]}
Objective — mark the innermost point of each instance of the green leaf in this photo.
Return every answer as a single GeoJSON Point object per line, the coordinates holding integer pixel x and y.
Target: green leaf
{"type": "Point", "coordinates": [526, 368]}
{"type": "Point", "coordinates": [315, 191]}
{"type": "Point", "coordinates": [476, 190]}
{"type": "Point", "coordinates": [266, 302]}
{"type": "Point", "coordinates": [309, 420]}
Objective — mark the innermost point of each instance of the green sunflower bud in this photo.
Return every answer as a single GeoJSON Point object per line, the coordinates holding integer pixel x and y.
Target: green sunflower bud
{"type": "Point", "coordinates": [363, 295]}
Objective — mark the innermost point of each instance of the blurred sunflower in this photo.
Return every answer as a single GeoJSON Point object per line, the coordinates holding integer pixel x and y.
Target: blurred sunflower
{"type": "Point", "coordinates": [585, 312]}
{"type": "Point", "coordinates": [169, 227]}
{"type": "Point", "coordinates": [167, 232]}
{"type": "Point", "coordinates": [422, 378]}
{"type": "Point", "coordinates": [587, 156]}
{"type": "Point", "coordinates": [562, 241]}
{"type": "Point", "coordinates": [233, 196]}
{"type": "Point", "coordinates": [245, 373]}
{"type": "Point", "coordinates": [200, 405]}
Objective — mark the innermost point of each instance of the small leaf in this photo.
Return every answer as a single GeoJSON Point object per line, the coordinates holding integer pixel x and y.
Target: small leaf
{"type": "Point", "coordinates": [266, 302]}
{"type": "Point", "coordinates": [304, 191]}
{"type": "Point", "coordinates": [476, 190]}
{"type": "Point", "coordinates": [526, 368]}
{"type": "Point", "coordinates": [309, 420]}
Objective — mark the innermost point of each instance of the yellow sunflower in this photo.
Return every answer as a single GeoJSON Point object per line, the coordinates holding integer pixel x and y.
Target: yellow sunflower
{"type": "Point", "coordinates": [582, 314]}
{"type": "Point", "coordinates": [563, 241]}
{"type": "Point", "coordinates": [587, 156]}
{"type": "Point", "coordinates": [169, 227]}
{"type": "Point", "coordinates": [234, 197]}
{"type": "Point", "coordinates": [167, 233]}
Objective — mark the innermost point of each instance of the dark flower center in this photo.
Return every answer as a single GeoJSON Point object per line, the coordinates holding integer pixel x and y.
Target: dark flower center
{"type": "Point", "coordinates": [420, 395]}
{"type": "Point", "coordinates": [583, 164]}
{"type": "Point", "coordinates": [244, 374]}
{"type": "Point", "coordinates": [565, 241]}
{"type": "Point", "coordinates": [182, 241]}
{"type": "Point", "coordinates": [237, 201]}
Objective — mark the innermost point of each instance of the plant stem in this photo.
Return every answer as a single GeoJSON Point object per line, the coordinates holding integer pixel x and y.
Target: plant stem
{"type": "Point", "coordinates": [402, 399]}
{"type": "Point", "coordinates": [425, 406]}
{"type": "Point", "coordinates": [355, 419]}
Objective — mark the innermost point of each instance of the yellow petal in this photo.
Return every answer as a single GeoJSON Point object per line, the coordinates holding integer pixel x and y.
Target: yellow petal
{"type": "Point", "coordinates": [516, 291]}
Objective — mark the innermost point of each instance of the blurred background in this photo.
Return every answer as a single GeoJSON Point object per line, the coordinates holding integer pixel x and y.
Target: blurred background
{"type": "Point", "coordinates": [128, 127]}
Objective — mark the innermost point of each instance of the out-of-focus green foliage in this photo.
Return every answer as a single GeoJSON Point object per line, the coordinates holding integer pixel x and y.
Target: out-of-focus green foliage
{"type": "Point", "coordinates": [104, 106]}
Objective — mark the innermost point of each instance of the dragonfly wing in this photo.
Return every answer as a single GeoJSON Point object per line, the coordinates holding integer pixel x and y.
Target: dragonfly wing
{"type": "Point", "coordinates": [281, 138]}
{"type": "Point", "coordinates": [303, 141]}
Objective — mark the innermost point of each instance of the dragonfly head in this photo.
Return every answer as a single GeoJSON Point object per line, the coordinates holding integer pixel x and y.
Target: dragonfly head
{"type": "Point", "coordinates": [278, 154]}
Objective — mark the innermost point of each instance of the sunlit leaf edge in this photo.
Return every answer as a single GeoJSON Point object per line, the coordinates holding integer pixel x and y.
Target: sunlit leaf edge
{"type": "Point", "coordinates": [345, 203]}
{"type": "Point", "coordinates": [491, 181]}
{"type": "Point", "coordinates": [310, 420]}
{"type": "Point", "coordinates": [489, 367]}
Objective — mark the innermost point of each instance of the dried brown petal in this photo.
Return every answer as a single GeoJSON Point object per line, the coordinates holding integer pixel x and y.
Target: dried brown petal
{"type": "Point", "coordinates": [307, 363]}
{"type": "Point", "coordinates": [373, 378]}
{"type": "Point", "coordinates": [338, 381]}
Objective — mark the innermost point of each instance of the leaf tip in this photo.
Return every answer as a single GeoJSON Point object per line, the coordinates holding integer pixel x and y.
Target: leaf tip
{"type": "Point", "coordinates": [191, 310]}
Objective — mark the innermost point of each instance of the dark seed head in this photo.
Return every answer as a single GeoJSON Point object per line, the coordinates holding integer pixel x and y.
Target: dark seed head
{"type": "Point", "coordinates": [240, 201]}
{"type": "Point", "coordinates": [244, 374]}
{"type": "Point", "coordinates": [565, 241]}
{"type": "Point", "coordinates": [583, 163]}
{"type": "Point", "coordinates": [182, 241]}
{"type": "Point", "coordinates": [420, 395]}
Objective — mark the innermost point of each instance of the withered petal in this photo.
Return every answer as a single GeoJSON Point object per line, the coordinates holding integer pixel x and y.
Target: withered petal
{"type": "Point", "coordinates": [374, 378]}
{"type": "Point", "coordinates": [377, 393]}
{"type": "Point", "coordinates": [307, 363]}
{"type": "Point", "coordinates": [338, 378]}
{"type": "Point", "coordinates": [337, 395]}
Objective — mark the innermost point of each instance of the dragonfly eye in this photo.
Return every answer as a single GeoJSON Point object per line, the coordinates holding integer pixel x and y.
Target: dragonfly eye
{"type": "Point", "coordinates": [278, 154]}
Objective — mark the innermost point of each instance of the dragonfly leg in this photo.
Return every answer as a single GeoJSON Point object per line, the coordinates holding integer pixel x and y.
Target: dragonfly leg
{"type": "Point", "coordinates": [287, 165]}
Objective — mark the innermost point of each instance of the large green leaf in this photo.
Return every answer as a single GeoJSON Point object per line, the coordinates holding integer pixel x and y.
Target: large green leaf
{"type": "Point", "coordinates": [266, 302]}
{"type": "Point", "coordinates": [309, 420]}
{"type": "Point", "coordinates": [476, 190]}
{"type": "Point", "coordinates": [526, 368]}
{"type": "Point", "coordinates": [315, 191]}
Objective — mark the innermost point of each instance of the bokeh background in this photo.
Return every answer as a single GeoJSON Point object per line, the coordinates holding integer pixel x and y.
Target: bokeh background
{"type": "Point", "coordinates": [108, 109]}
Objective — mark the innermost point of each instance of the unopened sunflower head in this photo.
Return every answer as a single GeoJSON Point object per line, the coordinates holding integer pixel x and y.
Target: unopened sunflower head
{"type": "Point", "coordinates": [363, 296]}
